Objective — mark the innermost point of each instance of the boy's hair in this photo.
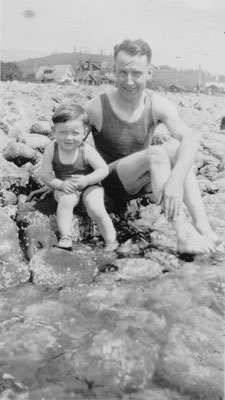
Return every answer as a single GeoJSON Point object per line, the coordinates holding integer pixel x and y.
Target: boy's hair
{"type": "Point", "coordinates": [67, 112]}
{"type": "Point", "coordinates": [134, 47]}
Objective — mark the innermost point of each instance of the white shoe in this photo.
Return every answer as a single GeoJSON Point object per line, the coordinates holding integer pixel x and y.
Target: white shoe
{"type": "Point", "coordinates": [111, 246]}
{"type": "Point", "coordinates": [65, 242]}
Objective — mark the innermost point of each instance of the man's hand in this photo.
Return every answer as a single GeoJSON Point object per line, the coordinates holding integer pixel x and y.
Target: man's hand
{"type": "Point", "coordinates": [171, 198]}
{"type": "Point", "coordinates": [44, 191]}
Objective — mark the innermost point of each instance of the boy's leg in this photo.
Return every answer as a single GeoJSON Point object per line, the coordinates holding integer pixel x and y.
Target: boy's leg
{"type": "Point", "coordinates": [66, 204]}
{"type": "Point", "coordinates": [93, 199]}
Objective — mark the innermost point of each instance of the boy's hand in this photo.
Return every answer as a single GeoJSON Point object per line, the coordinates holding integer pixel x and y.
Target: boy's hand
{"type": "Point", "coordinates": [80, 182]}
{"type": "Point", "coordinates": [68, 186]}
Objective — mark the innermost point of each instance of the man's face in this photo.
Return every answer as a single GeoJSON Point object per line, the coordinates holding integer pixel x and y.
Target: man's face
{"type": "Point", "coordinates": [70, 134]}
{"type": "Point", "coordinates": [132, 73]}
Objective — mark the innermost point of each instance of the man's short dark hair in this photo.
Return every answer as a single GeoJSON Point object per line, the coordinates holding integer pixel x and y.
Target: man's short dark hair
{"type": "Point", "coordinates": [134, 47]}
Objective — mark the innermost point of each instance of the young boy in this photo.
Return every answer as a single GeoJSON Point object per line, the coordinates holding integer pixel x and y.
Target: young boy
{"type": "Point", "coordinates": [73, 169]}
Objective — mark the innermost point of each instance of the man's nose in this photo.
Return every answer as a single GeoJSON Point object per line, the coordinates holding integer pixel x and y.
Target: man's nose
{"type": "Point", "coordinates": [130, 79]}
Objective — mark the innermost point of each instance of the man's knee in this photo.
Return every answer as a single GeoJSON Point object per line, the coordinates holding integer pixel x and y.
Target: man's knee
{"type": "Point", "coordinates": [156, 155]}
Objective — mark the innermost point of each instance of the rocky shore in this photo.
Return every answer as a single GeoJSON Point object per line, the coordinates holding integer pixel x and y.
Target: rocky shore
{"type": "Point", "coordinates": [142, 323]}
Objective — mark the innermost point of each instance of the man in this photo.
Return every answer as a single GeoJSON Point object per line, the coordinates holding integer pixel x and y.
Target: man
{"type": "Point", "coordinates": [123, 122]}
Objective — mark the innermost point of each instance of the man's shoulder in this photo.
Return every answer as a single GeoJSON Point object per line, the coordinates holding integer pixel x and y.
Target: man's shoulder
{"type": "Point", "coordinates": [93, 108]}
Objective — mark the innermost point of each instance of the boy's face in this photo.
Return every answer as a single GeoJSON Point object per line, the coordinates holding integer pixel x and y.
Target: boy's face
{"type": "Point", "coordinates": [132, 74]}
{"type": "Point", "coordinates": [69, 134]}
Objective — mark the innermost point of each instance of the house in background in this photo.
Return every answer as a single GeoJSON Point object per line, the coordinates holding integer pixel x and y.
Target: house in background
{"type": "Point", "coordinates": [56, 73]}
{"type": "Point", "coordinates": [214, 87]}
{"type": "Point", "coordinates": [85, 78]}
{"type": "Point", "coordinates": [92, 73]}
{"type": "Point", "coordinates": [89, 65]}
{"type": "Point", "coordinates": [175, 89]}
{"type": "Point", "coordinates": [10, 72]}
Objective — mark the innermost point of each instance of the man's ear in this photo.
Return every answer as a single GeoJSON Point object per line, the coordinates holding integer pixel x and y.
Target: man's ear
{"type": "Point", "coordinates": [150, 73]}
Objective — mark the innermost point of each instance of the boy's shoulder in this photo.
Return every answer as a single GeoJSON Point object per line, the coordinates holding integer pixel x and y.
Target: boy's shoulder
{"type": "Point", "coordinates": [49, 149]}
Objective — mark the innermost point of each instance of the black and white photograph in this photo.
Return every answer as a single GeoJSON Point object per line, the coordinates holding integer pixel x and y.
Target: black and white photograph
{"type": "Point", "coordinates": [112, 199]}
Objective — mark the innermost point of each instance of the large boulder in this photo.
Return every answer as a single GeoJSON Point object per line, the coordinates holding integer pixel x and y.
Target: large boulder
{"type": "Point", "coordinates": [13, 269]}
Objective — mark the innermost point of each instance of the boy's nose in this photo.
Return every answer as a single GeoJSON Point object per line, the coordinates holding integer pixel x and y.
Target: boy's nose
{"type": "Point", "coordinates": [69, 136]}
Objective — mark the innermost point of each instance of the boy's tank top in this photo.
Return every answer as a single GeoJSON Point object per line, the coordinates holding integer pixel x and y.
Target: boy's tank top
{"type": "Point", "coordinates": [119, 138]}
{"type": "Point", "coordinates": [65, 171]}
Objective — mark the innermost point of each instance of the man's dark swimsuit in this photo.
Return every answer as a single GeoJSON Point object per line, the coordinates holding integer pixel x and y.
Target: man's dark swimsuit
{"type": "Point", "coordinates": [118, 139]}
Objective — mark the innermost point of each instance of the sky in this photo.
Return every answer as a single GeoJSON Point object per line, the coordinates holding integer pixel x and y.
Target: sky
{"type": "Point", "coordinates": [181, 33]}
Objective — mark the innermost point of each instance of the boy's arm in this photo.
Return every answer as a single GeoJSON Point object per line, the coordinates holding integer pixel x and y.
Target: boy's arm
{"type": "Point", "coordinates": [101, 169]}
{"type": "Point", "coordinates": [46, 172]}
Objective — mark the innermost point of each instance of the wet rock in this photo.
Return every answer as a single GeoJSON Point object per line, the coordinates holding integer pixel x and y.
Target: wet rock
{"type": "Point", "coordinates": [210, 171]}
{"type": "Point", "coordinates": [35, 141]}
{"type": "Point", "coordinates": [222, 124]}
{"type": "Point", "coordinates": [13, 270]}
{"type": "Point", "coordinates": [7, 197]}
{"type": "Point", "coordinates": [11, 175]}
{"type": "Point", "coordinates": [19, 153]}
{"type": "Point", "coordinates": [34, 171]}
{"type": "Point", "coordinates": [190, 362]}
{"type": "Point", "coordinates": [11, 388]}
{"type": "Point", "coordinates": [207, 186]}
{"type": "Point", "coordinates": [215, 148]}
{"type": "Point", "coordinates": [9, 243]}
{"type": "Point", "coordinates": [4, 140]}
{"type": "Point", "coordinates": [220, 184]}
{"type": "Point", "coordinates": [13, 273]}
{"type": "Point", "coordinates": [4, 127]}
{"type": "Point", "coordinates": [134, 270]}
{"type": "Point", "coordinates": [36, 237]}
{"type": "Point", "coordinates": [58, 268]}
{"type": "Point", "coordinates": [42, 128]}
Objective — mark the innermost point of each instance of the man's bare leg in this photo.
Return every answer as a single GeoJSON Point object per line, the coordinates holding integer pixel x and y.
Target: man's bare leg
{"type": "Point", "coordinates": [192, 197]}
{"type": "Point", "coordinates": [134, 172]}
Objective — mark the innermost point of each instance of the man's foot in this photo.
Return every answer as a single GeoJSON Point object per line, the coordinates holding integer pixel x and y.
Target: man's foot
{"type": "Point", "coordinates": [111, 246]}
{"type": "Point", "coordinates": [207, 231]}
{"type": "Point", "coordinates": [65, 242]}
{"type": "Point", "coordinates": [192, 242]}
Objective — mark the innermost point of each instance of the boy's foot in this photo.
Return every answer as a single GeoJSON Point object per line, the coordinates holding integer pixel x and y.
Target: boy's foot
{"type": "Point", "coordinates": [111, 246]}
{"type": "Point", "coordinates": [65, 242]}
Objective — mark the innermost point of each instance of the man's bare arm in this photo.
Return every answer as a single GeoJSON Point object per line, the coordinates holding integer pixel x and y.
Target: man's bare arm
{"type": "Point", "coordinates": [173, 190]}
{"type": "Point", "coordinates": [94, 111]}
{"type": "Point", "coordinates": [167, 113]}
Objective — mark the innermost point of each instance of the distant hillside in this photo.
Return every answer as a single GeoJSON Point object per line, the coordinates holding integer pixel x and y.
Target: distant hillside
{"type": "Point", "coordinates": [188, 78]}
{"type": "Point", "coordinates": [163, 75]}
{"type": "Point", "coordinates": [31, 65]}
